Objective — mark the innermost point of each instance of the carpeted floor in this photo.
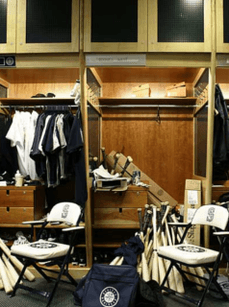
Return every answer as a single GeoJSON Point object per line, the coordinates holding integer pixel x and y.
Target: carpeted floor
{"type": "Point", "coordinates": [64, 297]}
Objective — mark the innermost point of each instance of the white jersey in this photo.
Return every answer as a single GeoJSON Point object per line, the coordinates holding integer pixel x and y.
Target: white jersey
{"type": "Point", "coordinates": [21, 134]}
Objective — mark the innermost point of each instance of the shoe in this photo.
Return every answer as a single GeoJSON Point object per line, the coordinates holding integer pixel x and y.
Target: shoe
{"type": "Point", "coordinates": [8, 237]}
{"type": "Point", "coordinates": [39, 95]}
{"type": "Point", "coordinates": [82, 258]}
{"type": "Point", "coordinates": [75, 258]}
{"type": "Point", "coordinates": [52, 236]}
{"type": "Point", "coordinates": [44, 235]}
{"type": "Point", "coordinates": [21, 241]}
{"type": "Point", "coordinates": [50, 95]}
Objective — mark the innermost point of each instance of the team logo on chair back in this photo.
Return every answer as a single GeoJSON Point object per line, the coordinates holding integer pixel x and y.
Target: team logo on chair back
{"type": "Point", "coordinates": [64, 213]}
{"type": "Point", "coordinates": [109, 297]}
{"type": "Point", "coordinates": [211, 214]}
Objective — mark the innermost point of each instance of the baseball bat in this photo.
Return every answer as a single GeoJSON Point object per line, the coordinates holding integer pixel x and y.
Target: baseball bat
{"type": "Point", "coordinates": [5, 279]}
{"type": "Point", "coordinates": [155, 273]}
{"type": "Point", "coordinates": [139, 265]}
{"type": "Point", "coordinates": [15, 261]}
{"type": "Point", "coordinates": [10, 269]}
{"type": "Point", "coordinates": [115, 260]}
{"type": "Point", "coordinates": [1, 283]}
{"type": "Point", "coordinates": [146, 220]}
{"type": "Point", "coordinates": [127, 163]}
{"type": "Point", "coordinates": [178, 277]}
{"type": "Point", "coordinates": [161, 266]}
{"type": "Point", "coordinates": [145, 269]}
{"type": "Point", "coordinates": [140, 223]}
{"type": "Point", "coordinates": [116, 157]}
{"type": "Point", "coordinates": [94, 159]}
{"type": "Point", "coordinates": [120, 261]}
{"type": "Point", "coordinates": [104, 162]}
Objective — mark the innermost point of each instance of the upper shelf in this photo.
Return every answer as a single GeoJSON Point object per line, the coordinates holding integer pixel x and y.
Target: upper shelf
{"type": "Point", "coordinates": [148, 101]}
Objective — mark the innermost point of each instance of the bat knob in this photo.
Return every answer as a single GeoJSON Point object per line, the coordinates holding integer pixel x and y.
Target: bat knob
{"type": "Point", "coordinates": [129, 159]}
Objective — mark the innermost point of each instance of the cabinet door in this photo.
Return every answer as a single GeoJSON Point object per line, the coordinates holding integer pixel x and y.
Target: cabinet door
{"type": "Point", "coordinates": [48, 26]}
{"type": "Point", "coordinates": [222, 23]}
{"type": "Point", "coordinates": [7, 26]}
{"type": "Point", "coordinates": [119, 26]}
{"type": "Point", "coordinates": [179, 26]}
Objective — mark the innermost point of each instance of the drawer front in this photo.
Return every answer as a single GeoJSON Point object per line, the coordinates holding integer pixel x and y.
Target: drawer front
{"type": "Point", "coordinates": [116, 217]}
{"type": "Point", "coordinates": [16, 215]}
{"type": "Point", "coordinates": [16, 198]}
{"type": "Point", "coordinates": [128, 199]}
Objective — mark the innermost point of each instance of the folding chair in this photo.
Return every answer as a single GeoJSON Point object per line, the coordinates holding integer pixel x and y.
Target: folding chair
{"type": "Point", "coordinates": [187, 255]}
{"type": "Point", "coordinates": [68, 214]}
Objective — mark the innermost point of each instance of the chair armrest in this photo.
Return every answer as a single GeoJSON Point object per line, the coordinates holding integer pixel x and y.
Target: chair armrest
{"type": "Point", "coordinates": [73, 228]}
{"type": "Point", "coordinates": [221, 233]}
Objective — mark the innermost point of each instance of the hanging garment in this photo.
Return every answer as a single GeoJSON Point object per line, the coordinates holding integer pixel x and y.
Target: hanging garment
{"type": "Point", "coordinates": [8, 154]}
{"type": "Point", "coordinates": [35, 153]}
{"type": "Point", "coordinates": [21, 134]}
{"type": "Point", "coordinates": [75, 149]}
{"type": "Point", "coordinates": [221, 138]}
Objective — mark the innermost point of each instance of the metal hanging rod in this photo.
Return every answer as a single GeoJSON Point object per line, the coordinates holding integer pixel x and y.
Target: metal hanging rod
{"type": "Point", "coordinates": [147, 106]}
{"type": "Point", "coordinates": [33, 107]}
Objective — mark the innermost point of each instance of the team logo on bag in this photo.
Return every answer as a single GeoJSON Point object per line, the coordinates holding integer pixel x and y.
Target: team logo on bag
{"type": "Point", "coordinates": [109, 297]}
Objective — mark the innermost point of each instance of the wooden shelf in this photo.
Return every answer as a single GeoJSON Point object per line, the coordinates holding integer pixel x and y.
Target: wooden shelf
{"type": "Point", "coordinates": [107, 245]}
{"type": "Point", "coordinates": [117, 226]}
{"type": "Point", "coordinates": [148, 101]}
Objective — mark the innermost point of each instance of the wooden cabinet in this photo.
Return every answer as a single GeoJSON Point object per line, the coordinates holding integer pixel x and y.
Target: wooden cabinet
{"type": "Point", "coordinates": [169, 26]}
{"type": "Point", "coordinates": [48, 26]}
{"type": "Point", "coordinates": [8, 26]}
{"type": "Point", "coordinates": [156, 131]}
{"type": "Point", "coordinates": [39, 26]}
{"type": "Point", "coordinates": [118, 27]}
{"type": "Point", "coordinates": [124, 28]}
{"type": "Point", "coordinates": [118, 209]}
{"type": "Point", "coordinates": [20, 204]}
{"type": "Point", "coordinates": [222, 26]}
{"type": "Point", "coordinates": [115, 216]}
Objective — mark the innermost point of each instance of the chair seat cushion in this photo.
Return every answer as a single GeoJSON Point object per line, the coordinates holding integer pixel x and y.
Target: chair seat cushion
{"type": "Point", "coordinates": [40, 250]}
{"type": "Point", "coordinates": [188, 253]}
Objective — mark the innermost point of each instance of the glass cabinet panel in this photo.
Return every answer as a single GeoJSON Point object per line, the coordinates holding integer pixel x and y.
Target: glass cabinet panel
{"type": "Point", "coordinates": [118, 27]}
{"type": "Point", "coordinates": [222, 26]}
{"type": "Point", "coordinates": [7, 26]}
{"type": "Point", "coordinates": [3, 21]}
{"type": "Point", "coordinates": [48, 21]}
{"type": "Point", "coordinates": [175, 17]}
{"type": "Point", "coordinates": [179, 25]}
{"type": "Point", "coordinates": [48, 26]}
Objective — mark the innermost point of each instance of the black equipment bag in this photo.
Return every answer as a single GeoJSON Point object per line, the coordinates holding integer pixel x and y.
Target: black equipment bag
{"type": "Point", "coordinates": [107, 285]}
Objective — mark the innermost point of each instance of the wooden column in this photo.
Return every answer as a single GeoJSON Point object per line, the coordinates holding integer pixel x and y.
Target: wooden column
{"type": "Point", "coordinates": [211, 107]}
{"type": "Point", "coordinates": [83, 82]}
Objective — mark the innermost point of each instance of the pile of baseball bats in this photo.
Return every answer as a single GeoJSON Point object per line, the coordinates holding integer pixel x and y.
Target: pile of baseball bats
{"type": "Point", "coordinates": [10, 268]}
{"type": "Point", "coordinates": [154, 232]}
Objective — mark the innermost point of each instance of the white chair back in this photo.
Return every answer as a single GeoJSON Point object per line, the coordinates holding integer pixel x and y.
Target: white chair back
{"type": "Point", "coordinates": [211, 215]}
{"type": "Point", "coordinates": [65, 212]}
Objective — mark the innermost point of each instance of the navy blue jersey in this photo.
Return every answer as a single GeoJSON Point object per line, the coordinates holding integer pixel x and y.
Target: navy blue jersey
{"type": "Point", "coordinates": [75, 148]}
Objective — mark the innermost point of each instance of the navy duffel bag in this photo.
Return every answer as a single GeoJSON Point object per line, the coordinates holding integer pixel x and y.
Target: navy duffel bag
{"type": "Point", "coordinates": [107, 285]}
